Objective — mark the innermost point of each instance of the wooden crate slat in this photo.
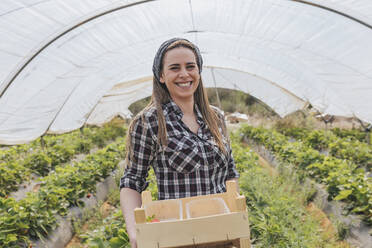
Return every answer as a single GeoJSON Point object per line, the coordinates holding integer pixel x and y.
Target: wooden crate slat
{"type": "Point", "coordinates": [193, 231]}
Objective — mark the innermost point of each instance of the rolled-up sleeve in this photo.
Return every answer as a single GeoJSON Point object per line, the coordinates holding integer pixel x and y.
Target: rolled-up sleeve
{"type": "Point", "coordinates": [139, 161]}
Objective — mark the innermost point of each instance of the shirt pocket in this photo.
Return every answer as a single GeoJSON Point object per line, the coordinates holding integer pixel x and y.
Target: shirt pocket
{"type": "Point", "coordinates": [215, 155]}
{"type": "Point", "coordinates": [182, 154]}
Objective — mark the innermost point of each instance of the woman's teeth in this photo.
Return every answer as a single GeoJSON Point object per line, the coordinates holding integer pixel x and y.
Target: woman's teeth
{"type": "Point", "coordinates": [184, 84]}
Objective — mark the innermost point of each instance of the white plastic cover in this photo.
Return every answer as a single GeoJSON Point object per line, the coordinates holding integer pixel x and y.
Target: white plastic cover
{"type": "Point", "coordinates": [117, 101]}
{"type": "Point", "coordinates": [61, 59]}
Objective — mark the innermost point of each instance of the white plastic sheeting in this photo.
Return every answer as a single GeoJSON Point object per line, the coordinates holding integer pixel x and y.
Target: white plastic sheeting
{"type": "Point", "coordinates": [57, 61]}
{"type": "Point", "coordinates": [28, 25]}
{"type": "Point", "coordinates": [361, 10]}
{"type": "Point", "coordinates": [117, 101]}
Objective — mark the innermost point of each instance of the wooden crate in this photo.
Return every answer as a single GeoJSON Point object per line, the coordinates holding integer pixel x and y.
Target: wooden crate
{"type": "Point", "coordinates": [215, 220]}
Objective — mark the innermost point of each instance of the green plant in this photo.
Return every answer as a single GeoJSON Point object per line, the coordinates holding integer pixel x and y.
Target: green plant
{"type": "Point", "coordinates": [83, 145]}
{"type": "Point", "coordinates": [318, 139]}
{"type": "Point", "coordinates": [11, 175]}
{"type": "Point", "coordinates": [341, 146]}
{"type": "Point", "coordinates": [39, 162]}
{"type": "Point", "coordinates": [351, 133]}
{"type": "Point", "coordinates": [343, 230]}
{"type": "Point", "coordinates": [153, 187]}
{"type": "Point", "coordinates": [111, 233]}
{"type": "Point", "coordinates": [18, 162]}
{"type": "Point", "coordinates": [343, 180]}
{"type": "Point", "coordinates": [60, 154]}
{"type": "Point", "coordinates": [59, 190]}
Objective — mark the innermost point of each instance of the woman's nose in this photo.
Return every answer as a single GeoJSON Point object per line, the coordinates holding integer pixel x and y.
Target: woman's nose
{"type": "Point", "coordinates": [183, 72]}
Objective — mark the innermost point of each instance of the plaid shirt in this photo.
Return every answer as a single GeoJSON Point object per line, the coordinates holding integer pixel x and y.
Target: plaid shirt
{"type": "Point", "coordinates": [191, 164]}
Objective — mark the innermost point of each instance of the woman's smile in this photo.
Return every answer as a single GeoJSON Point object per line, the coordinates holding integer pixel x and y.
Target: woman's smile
{"type": "Point", "coordinates": [185, 85]}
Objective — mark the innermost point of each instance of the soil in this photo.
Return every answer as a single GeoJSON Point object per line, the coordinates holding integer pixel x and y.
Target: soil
{"type": "Point", "coordinates": [329, 231]}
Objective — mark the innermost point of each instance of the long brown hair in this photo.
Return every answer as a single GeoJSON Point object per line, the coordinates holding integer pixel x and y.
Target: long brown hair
{"type": "Point", "coordinates": [160, 95]}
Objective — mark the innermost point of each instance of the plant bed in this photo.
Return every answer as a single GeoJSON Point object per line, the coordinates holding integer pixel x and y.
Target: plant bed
{"type": "Point", "coordinates": [277, 204]}
{"type": "Point", "coordinates": [35, 216]}
{"type": "Point", "coordinates": [23, 163]}
{"type": "Point", "coordinates": [344, 180]}
{"type": "Point", "coordinates": [348, 148]}
{"type": "Point", "coordinates": [60, 237]}
{"type": "Point", "coordinates": [359, 232]}
{"type": "Point", "coordinates": [34, 184]}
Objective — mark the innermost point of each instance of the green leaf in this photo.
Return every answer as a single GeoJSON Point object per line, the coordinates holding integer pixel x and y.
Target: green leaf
{"type": "Point", "coordinates": [343, 195]}
{"type": "Point", "coordinates": [360, 209]}
{"type": "Point", "coordinates": [116, 242]}
{"type": "Point", "coordinates": [11, 237]}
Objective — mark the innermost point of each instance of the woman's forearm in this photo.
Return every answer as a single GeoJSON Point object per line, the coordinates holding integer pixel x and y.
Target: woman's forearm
{"type": "Point", "coordinates": [129, 200]}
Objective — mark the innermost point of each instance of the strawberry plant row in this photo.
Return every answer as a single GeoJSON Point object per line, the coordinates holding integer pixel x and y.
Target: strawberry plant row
{"type": "Point", "coordinates": [34, 216]}
{"type": "Point", "coordinates": [356, 134]}
{"type": "Point", "coordinates": [81, 141]}
{"type": "Point", "coordinates": [353, 134]}
{"type": "Point", "coordinates": [344, 180]}
{"type": "Point", "coordinates": [350, 227]}
{"type": "Point", "coordinates": [347, 148]}
{"type": "Point", "coordinates": [277, 206]}
{"type": "Point", "coordinates": [18, 165]}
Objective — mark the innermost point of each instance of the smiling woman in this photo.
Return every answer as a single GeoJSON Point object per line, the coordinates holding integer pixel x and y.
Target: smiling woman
{"type": "Point", "coordinates": [179, 134]}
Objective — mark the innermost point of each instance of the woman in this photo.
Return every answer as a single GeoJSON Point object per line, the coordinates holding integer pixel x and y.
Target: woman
{"type": "Point", "coordinates": [178, 133]}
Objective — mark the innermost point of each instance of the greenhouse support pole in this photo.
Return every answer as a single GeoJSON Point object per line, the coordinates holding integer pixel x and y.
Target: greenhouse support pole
{"type": "Point", "coordinates": [42, 142]}
{"type": "Point", "coordinates": [215, 87]}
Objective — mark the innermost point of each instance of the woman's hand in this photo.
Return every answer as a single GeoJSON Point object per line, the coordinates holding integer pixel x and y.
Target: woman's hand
{"type": "Point", "coordinates": [132, 237]}
{"type": "Point", "coordinates": [133, 242]}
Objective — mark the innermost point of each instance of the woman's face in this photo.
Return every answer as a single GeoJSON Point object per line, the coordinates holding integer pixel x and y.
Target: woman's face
{"type": "Point", "coordinates": [180, 73]}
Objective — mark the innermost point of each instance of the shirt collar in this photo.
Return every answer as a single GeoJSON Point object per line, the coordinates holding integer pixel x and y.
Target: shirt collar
{"type": "Point", "coordinates": [172, 108]}
{"type": "Point", "coordinates": [199, 116]}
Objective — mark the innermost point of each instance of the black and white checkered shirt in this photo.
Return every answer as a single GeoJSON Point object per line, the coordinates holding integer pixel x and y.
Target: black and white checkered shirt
{"type": "Point", "coordinates": [191, 164]}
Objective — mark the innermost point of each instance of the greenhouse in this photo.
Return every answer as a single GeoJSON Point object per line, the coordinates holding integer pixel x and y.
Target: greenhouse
{"type": "Point", "coordinates": [67, 65]}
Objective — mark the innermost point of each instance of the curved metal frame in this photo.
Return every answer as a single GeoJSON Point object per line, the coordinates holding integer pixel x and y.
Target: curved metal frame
{"type": "Point", "coordinates": [12, 77]}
